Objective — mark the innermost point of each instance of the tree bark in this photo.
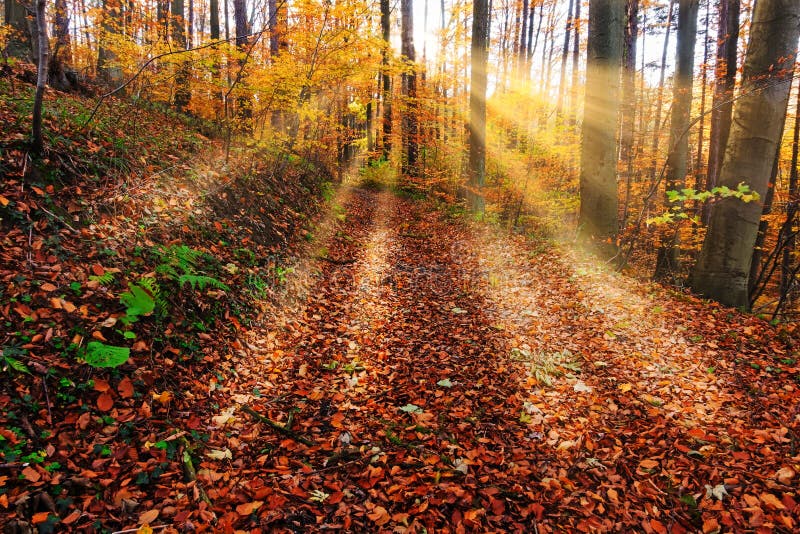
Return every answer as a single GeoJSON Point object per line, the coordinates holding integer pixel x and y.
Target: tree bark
{"type": "Point", "coordinates": [722, 268]}
{"type": "Point", "coordinates": [678, 157]}
{"type": "Point", "coordinates": [107, 69]}
{"type": "Point", "coordinates": [409, 164]}
{"type": "Point", "coordinates": [562, 90]}
{"type": "Point", "coordinates": [182, 92]}
{"type": "Point", "coordinates": [660, 97]}
{"type": "Point", "coordinates": [628, 120]}
{"type": "Point", "coordinates": [791, 211]}
{"type": "Point", "coordinates": [477, 105]}
{"type": "Point", "coordinates": [576, 51]}
{"type": "Point", "coordinates": [724, 83]}
{"type": "Point", "coordinates": [43, 48]}
{"type": "Point", "coordinates": [386, 77]}
{"type": "Point", "coordinates": [598, 179]}
{"type": "Point", "coordinates": [19, 43]}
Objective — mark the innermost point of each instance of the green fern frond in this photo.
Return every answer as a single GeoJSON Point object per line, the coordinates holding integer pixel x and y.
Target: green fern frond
{"type": "Point", "coordinates": [201, 282]}
{"type": "Point", "coordinates": [105, 279]}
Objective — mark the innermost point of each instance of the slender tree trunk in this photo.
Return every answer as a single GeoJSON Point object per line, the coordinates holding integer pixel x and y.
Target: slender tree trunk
{"type": "Point", "coordinates": [791, 210]}
{"type": "Point", "coordinates": [523, 42]}
{"type": "Point", "coordinates": [723, 266]}
{"type": "Point", "coordinates": [701, 128]}
{"type": "Point", "coordinates": [409, 166]}
{"type": "Point", "coordinates": [629, 100]}
{"type": "Point", "coordinates": [243, 101]}
{"type": "Point", "coordinates": [37, 143]}
{"type": "Point", "coordinates": [562, 90]}
{"type": "Point", "coordinates": [660, 97]}
{"type": "Point", "coordinates": [678, 158]}
{"type": "Point", "coordinates": [182, 93]}
{"type": "Point", "coordinates": [763, 227]}
{"type": "Point", "coordinates": [598, 180]}
{"type": "Point", "coordinates": [386, 139]}
{"type": "Point", "coordinates": [576, 52]}
{"type": "Point", "coordinates": [724, 83]}
{"type": "Point", "coordinates": [477, 105]}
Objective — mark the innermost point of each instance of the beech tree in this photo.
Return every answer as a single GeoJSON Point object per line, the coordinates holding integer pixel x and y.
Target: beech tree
{"type": "Point", "coordinates": [722, 269]}
{"type": "Point", "coordinates": [598, 175]}
{"type": "Point", "coordinates": [677, 160]}
{"type": "Point", "coordinates": [477, 104]}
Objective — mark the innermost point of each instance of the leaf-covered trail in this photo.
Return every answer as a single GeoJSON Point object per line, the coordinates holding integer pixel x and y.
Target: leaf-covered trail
{"type": "Point", "coordinates": [450, 379]}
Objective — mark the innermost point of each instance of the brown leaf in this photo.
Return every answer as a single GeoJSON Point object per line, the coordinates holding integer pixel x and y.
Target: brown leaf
{"type": "Point", "coordinates": [710, 526]}
{"type": "Point", "coordinates": [31, 474]}
{"type": "Point", "coordinates": [248, 508]}
{"type": "Point", "coordinates": [772, 501]}
{"type": "Point", "coordinates": [379, 516]}
{"type": "Point", "coordinates": [148, 517]}
{"type": "Point", "coordinates": [125, 388]}
{"type": "Point", "coordinates": [105, 402]}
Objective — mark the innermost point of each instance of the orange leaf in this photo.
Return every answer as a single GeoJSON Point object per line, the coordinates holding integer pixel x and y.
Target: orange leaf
{"type": "Point", "coordinates": [40, 517]}
{"type": "Point", "coordinates": [125, 388]}
{"type": "Point", "coordinates": [31, 474]}
{"type": "Point", "coordinates": [379, 515]}
{"type": "Point", "coordinates": [772, 501]}
{"type": "Point", "coordinates": [101, 385]}
{"type": "Point", "coordinates": [105, 402]}
{"type": "Point", "coordinates": [248, 508]}
{"type": "Point", "coordinates": [148, 517]}
{"type": "Point", "coordinates": [658, 526]}
{"type": "Point", "coordinates": [710, 525]}
{"type": "Point", "coordinates": [71, 518]}
{"type": "Point", "coordinates": [47, 286]}
{"type": "Point", "coordinates": [98, 269]}
{"type": "Point", "coordinates": [648, 464]}
{"type": "Point", "coordinates": [4, 201]}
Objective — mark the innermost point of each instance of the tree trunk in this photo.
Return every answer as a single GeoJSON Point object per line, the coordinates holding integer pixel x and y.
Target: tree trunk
{"type": "Point", "coordinates": [19, 43]}
{"type": "Point", "coordinates": [763, 226]}
{"type": "Point", "coordinates": [477, 105]}
{"type": "Point", "coordinates": [701, 129]}
{"type": "Point", "coordinates": [723, 266]}
{"type": "Point", "coordinates": [791, 212]}
{"type": "Point", "coordinates": [108, 71]}
{"type": "Point", "coordinates": [182, 93]}
{"type": "Point", "coordinates": [724, 83]}
{"type": "Point", "coordinates": [660, 98]}
{"type": "Point", "coordinates": [244, 105]}
{"type": "Point", "coordinates": [41, 79]}
{"type": "Point", "coordinates": [629, 99]}
{"type": "Point", "coordinates": [386, 78]}
{"type": "Point", "coordinates": [562, 90]}
{"type": "Point", "coordinates": [409, 164]}
{"type": "Point", "coordinates": [598, 179]}
{"type": "Point", "coordinates": [576, 52]}
{"type": "Point", "coordinates": [678, 157]}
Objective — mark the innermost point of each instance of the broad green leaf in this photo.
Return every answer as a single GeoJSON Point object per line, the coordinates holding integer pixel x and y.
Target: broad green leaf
{"type": "Point", "coordinates": [445, 383]}
{"type": "Point", "coordinates": [101, 355]}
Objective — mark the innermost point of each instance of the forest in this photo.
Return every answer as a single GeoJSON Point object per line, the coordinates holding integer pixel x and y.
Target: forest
{"type": "Point", "coordinates": [399, 266]}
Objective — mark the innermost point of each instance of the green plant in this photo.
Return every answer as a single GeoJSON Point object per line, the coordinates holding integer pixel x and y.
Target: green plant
{"type": "Point", "coordinates": [10, 361]}
{"type": "Point", "coordinates": [99, 354]}
{"type": "Point", "coordinates": [742, 192]}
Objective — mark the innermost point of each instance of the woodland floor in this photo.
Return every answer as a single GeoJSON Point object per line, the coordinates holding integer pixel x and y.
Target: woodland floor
{"type": "Point", "coordinates": [452, 379]}
{"type": "Point", "coordinates": [431, 375]}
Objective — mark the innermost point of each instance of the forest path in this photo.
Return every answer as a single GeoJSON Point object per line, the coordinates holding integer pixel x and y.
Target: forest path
{"type": "Point", "coordinates": [442, 377]}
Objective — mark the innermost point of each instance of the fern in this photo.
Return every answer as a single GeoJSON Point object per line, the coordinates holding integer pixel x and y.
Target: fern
{"type": "Point", "coordinates": [201, 282]}
{"type": "Point", "coordinates": [176, 260]}
{"type": "Point", "coordinates": [105, 279]}
{"type": "Point", "coordinates": [138, 301]}
{"type": "Point", "coordinates": [152, 285]}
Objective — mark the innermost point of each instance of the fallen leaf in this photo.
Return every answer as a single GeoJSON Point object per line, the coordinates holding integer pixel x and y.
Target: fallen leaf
{"type": "Point", "coordinates": [148, 517]}
{"type": "Point", "coordinates": [105, 402]}
{"type": "Point", "coordinates": [224, 454]}
{"type": "Point", "coordinates": [248, 508]}
{"type": "Point", "coordinates": [125, 388]}
{"type": "Point", "coordinates": [379, 516]}
{"type": "Point", "coordinates": [771, 501]}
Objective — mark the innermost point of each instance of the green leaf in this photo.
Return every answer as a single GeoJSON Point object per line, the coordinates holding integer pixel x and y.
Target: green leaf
{"type": "Point", "coordinates": [101, 355]}
{"type": "Point", "coordinates": [445, 383]}
{"type": "Point", "coordinates": [411, 408]}
{"type": "Point", "coordinates": [137, 300]}
{"type": "Point", "coordinates": [16, 365]}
